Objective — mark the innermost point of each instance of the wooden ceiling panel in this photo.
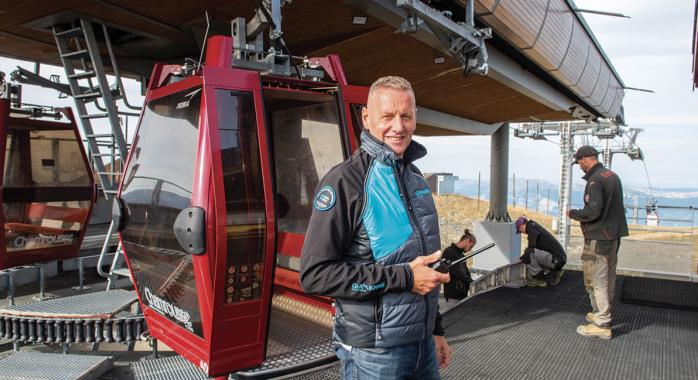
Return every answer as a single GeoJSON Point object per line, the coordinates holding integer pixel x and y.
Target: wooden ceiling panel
{"type": "Point", "coordinates": [438, 86]}
{"type": "Point", "coordinates": [311, 27]}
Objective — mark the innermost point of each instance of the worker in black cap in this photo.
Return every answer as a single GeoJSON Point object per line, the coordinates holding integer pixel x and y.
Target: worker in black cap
{"type": "Point", "coordinates": [603, 224]}
{"type": "Point", "coordinates": [544, 256]}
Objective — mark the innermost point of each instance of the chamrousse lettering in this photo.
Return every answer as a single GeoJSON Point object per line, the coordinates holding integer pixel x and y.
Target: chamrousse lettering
{"type": "Point", "coordinates": [168, 309]}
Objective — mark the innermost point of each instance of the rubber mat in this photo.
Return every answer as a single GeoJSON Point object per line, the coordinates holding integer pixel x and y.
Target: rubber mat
{"type": "Point", "coordinates": [660, 293]}
{"type": "Point", "coordinates": [529, 333]}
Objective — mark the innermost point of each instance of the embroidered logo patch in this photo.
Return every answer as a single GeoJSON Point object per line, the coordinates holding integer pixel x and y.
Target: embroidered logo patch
{"type": "Point", "coordinates": [325, 198]}
{"type": "Point", "coordinates": [422, 193]}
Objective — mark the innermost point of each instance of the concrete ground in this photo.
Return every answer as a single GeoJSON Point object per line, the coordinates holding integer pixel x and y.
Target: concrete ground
{"type": "Point", "coordinates": [644, 255]}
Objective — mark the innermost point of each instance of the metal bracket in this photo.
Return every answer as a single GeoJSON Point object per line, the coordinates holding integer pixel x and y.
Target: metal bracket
{"type": "Point", "coordinates": [464, 41]}
{"type": "Point", "coordinates": [248, 44]}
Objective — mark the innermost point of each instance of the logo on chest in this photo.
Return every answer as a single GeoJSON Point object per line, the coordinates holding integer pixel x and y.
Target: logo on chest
{"type": "Point", "coordinates": [422, 193]}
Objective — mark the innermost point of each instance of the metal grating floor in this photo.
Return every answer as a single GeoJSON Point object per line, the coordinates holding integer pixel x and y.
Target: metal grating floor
{"type": "Point", "coordinates": [90, 305]}
{"type": "Point", "coordinates": [42, 366]}
{"type": "Point", "coordinates": [304, 343]}
{"type": "Point", "coordinates": [173, 367]}
{"type": "Point", "coordinates": [660, 293]}
{"type": "Point", "coordinates": [529, 333]}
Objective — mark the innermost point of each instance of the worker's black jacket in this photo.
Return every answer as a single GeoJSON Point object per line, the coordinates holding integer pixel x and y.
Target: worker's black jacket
{"type": "Point", "coordinates": [539, 237]}
{"type": "Point", "coordinates": [457, 288]}
{"type": "Point", "coordinates": [372, 215]}
{"type": "Point", "coordinates": [603, 215]}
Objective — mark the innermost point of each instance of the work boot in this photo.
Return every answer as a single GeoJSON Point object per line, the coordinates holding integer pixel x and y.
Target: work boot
{"type": "Point", "coordinates": [592, 330]}
{"type": "Point", "coordinates": [555, 276]}
{"type": "Point", "coordinates": [591, 317]}
{"type": "Point", "coordinates": [535, 281]}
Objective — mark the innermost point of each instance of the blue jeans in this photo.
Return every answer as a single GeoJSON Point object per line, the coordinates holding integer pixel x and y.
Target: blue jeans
{"type": "Point", "coordinates": [410, 361]}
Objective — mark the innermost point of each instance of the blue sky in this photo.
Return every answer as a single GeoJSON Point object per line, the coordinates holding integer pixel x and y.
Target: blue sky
{"type": "Point", "coordinates": [651, 50]}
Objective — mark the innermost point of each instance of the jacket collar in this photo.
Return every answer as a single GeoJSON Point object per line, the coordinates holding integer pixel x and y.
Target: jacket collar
{"type": "Point", "coordinates": [593, 170]}
{"type": "Point", "coordinates": [457, 247]}
{"type": "Point", "coordinates": [385, 154]}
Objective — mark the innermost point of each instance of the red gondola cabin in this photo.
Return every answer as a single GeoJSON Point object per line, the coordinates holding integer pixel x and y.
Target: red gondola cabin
{"type": "Point", "coordinates": [47, 189]}
{"type": "Point", "coordinates": [217, 195]}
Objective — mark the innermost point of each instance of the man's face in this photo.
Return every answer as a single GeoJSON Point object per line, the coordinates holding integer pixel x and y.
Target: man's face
{"type": "Point", "coordinates": [465, 245]}
{"type": "Point", "coordinates": [586, 163]}
{"type": "Point", "coordinates": [390, 116]}
{"type": "Point", "coordinates": [468, 245]}
{"type": "Point", "coordinates": [522, 228]}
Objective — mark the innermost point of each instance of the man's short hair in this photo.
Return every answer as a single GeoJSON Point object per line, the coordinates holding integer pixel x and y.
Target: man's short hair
{"type": "Point", "coordinates": [391, 81]}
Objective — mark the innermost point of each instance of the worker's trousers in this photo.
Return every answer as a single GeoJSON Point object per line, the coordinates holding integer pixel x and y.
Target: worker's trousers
{"type": "Point", "coordinates": [599, 259]}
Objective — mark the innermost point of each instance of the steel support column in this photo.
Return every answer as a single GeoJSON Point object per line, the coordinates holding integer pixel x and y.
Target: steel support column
{"type": "Point", "coordinates": [566, 159]}
{"type": "Point", "coordinates": [499, 173]}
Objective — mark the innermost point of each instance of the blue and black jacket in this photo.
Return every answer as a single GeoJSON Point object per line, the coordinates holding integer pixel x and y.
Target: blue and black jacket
{"type": "Point", "coordinates": [372, 215]}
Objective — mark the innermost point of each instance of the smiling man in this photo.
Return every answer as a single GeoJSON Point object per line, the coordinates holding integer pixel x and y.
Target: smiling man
{"type": "Point", "coordinates": [373, 233]}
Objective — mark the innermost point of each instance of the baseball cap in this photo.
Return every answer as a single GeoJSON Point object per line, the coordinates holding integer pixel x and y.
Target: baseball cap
{"type": "Point", "coordinates": [585, 151]}
{"type": "Point", "coordinates": [521, 220]}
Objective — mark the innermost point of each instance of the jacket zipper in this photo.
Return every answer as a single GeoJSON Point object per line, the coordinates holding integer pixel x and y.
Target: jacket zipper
{"type": "Point", "coordinates": [410, 213]}
{"type": "Point", "coordinates": [379, 317]}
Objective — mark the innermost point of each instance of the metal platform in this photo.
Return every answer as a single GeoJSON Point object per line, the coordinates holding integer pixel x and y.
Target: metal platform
{"type": "Point", "coordinates": [529, 333]}
{"type": "Point", "coordinates": [90, 305]}
{"type": "Point", "coordinates": [173, 367]}
{"type": "Point", "coordinates": [42, 366]}
{"type": "Point", "coordinates": [305, 345]}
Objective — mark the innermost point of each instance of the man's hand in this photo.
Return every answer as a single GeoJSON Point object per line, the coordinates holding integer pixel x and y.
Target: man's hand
{"type": "Point", "coordinates": [526, 257]}
{"type": "Point", "coordinates": [424, 278]}
{"type": "Point", "coordinates": [443, 351]}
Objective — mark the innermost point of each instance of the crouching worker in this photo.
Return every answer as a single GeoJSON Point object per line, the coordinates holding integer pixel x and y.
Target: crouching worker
{"type": "Point", "coordinates": [373, 233]}
{"type": "Point", "coordinates": [457, 289]}
{"type": "Point", "coordinates": [544, 256]}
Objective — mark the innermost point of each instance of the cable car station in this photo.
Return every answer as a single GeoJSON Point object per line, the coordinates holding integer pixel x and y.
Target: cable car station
{"type": "Point", "coordinates": [196, 218]}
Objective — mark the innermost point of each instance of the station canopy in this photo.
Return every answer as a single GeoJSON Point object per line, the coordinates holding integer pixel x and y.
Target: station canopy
{"type": "Point", "coordinates": [544, 62]}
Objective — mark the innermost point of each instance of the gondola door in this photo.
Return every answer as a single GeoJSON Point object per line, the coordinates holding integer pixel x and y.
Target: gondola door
{"type": "Point", "coordinates": [242, 195]}
{"type": "Point", "coordinates": [198, 225]}
{"type": "Point", "coordinates": [159, 193]}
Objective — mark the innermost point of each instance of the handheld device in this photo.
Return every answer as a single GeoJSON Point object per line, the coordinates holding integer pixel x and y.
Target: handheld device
{"type": "Point", "coordinates": [444, 264]}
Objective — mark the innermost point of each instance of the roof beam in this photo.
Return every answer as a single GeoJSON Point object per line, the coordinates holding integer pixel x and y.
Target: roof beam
{"type": "Point", "coordinates": [507, 71]}
{"type": "Point", "coordinates": [502, 68]}
{"type": "Point", "coordinates": [432, 118]}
